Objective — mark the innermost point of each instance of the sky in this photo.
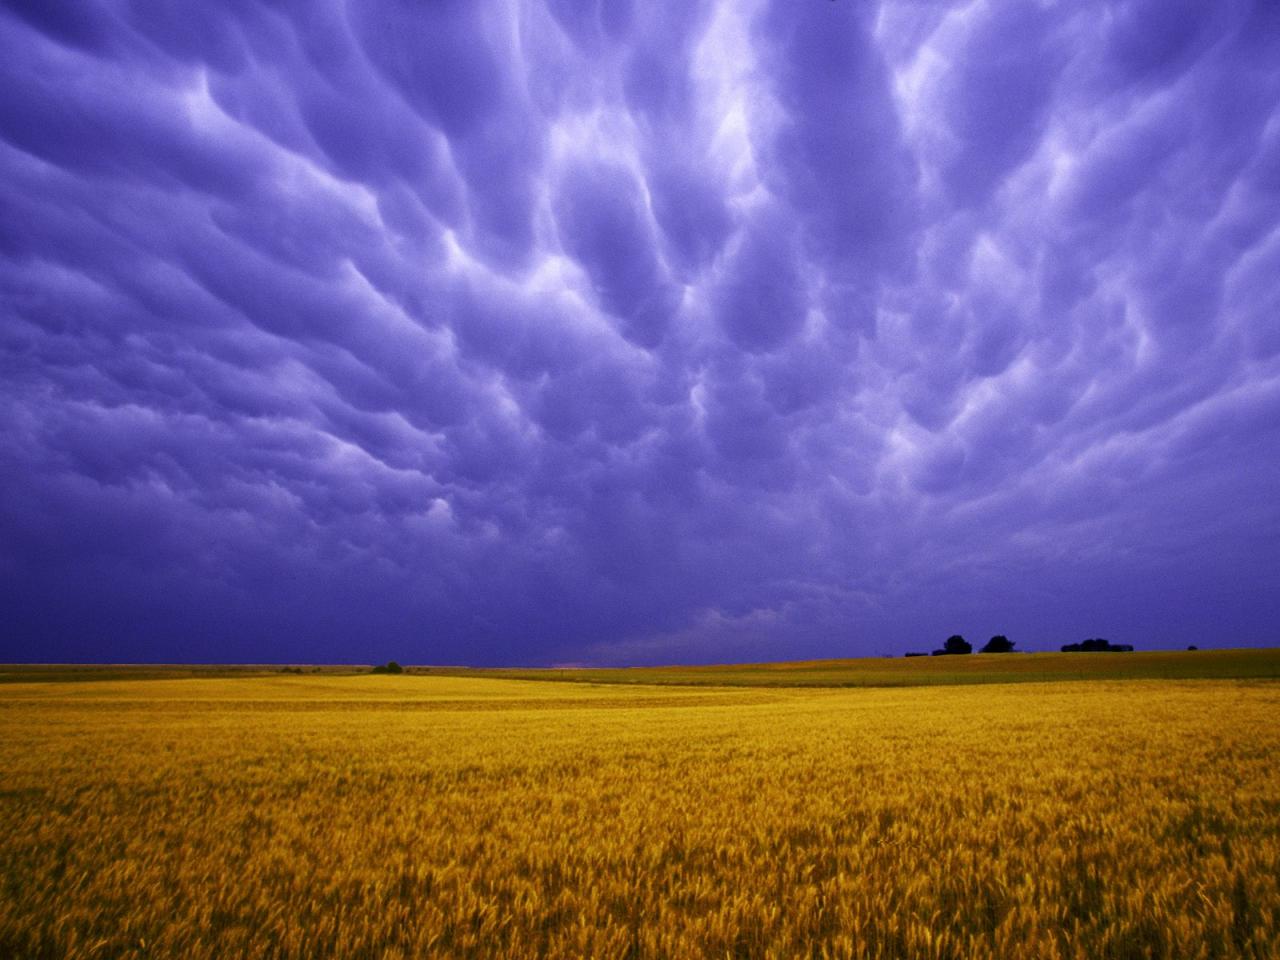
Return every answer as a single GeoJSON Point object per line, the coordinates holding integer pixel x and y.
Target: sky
{"type": "Point", "coordinates": [596, 331]}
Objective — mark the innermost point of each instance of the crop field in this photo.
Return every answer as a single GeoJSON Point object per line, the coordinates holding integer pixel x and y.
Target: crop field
{"type": "Point", "coordinates": [1236, 664]}
{"type": "Point", "coordinates": [441, 816]}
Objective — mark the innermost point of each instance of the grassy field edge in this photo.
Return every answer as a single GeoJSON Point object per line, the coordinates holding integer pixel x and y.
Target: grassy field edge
{"type": "Point", "coordinates": [1231, 664]}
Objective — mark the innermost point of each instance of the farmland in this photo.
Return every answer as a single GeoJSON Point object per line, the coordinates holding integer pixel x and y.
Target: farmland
{"type": "Point", "coordinates": [1235, 664]}
{"type": "Point", "coordinates": [1238, 664]}
{"type": "Point", "coordinates": [469, 816]}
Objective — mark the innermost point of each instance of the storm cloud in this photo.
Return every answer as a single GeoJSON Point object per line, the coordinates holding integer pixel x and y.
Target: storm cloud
{"type": "Point", "coordinates": [538, 331]}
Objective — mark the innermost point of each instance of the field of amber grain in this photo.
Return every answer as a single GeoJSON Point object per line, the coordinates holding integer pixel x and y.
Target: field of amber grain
{"type": "Point", "coordinates": [363, 816]}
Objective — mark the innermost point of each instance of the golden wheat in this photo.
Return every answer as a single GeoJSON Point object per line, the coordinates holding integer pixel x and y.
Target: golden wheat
{"type": "Point", "coordinates": [451, 817]}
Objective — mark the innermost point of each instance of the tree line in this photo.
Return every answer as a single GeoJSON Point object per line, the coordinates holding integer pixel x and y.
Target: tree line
{"type": "Point", "coordinates": [958, 645]}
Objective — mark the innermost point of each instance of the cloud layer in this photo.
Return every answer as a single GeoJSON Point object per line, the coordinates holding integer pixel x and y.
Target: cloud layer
{"type": "Point", "coordinates": [582, 330]}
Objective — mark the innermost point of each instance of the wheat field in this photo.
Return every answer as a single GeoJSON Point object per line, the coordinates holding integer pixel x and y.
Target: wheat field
{"type": "Point", "coordinates": [413, 816]}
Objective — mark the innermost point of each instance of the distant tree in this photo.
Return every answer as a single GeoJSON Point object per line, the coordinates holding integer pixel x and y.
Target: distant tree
{"type": "Point", "coordinates": [1097, 645]}
{"type": "Point", "coordinates": [1193, 647]}
{"type": "Point", "coordinates": [389, 667]}
{"type": "Point", "coordinates": [955, 644]}
{"type": "Point", "coordinates": [998, 644]}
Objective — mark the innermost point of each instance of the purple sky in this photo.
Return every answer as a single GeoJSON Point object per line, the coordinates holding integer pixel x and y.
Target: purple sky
{"type": "Point", "coordinates": [538, 331]}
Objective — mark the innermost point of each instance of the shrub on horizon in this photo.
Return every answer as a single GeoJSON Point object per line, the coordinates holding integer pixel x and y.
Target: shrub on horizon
{"type": "Point", "coordinates": [955, 644]}
{"type": "Point", "coordinates": [1097, 645]}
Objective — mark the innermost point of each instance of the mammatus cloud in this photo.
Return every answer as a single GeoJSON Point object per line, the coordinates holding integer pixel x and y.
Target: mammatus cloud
{"type": "Point", "coordinates": [545, 330]}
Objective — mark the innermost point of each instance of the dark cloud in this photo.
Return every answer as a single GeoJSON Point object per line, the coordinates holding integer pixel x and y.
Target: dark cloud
{"type": "Point", "coordinates": [584, 330]}
{"type": "Point", "coordinates": [998, 87]}
{"type": "Point", "coordinates": [762, 300]}
{"type": "Point", "coordinates": [603, 223]}
{"type": "Point", "coordinates": [834, 152]}
{"type": "Point", "coordinates": [691, 211]}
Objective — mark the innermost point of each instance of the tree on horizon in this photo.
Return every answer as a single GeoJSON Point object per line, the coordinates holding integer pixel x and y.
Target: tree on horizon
{"type": "Point", "coordinates": [955, 644]}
